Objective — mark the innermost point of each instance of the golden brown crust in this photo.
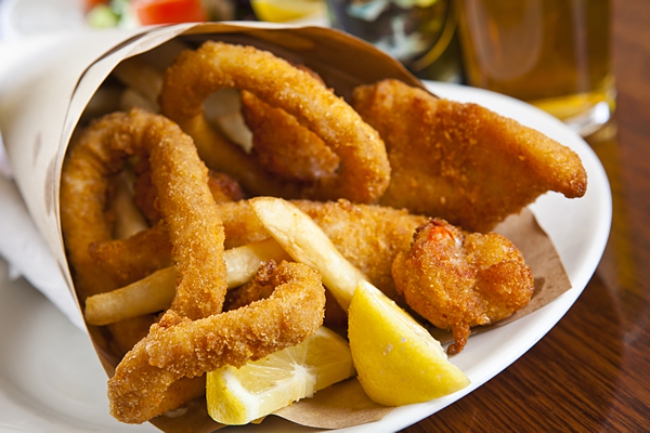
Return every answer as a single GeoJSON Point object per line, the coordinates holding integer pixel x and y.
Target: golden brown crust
{"type": "Point", "coordinates": [364, 172]}
{"type": "Point", "coordinates": [369, 236]}
{"type": "Point", "coordinates": [283, 146]}
{"type": "Point", "coordinates": [185, 204]}
{"type": "Point", "coordinates": [463, 162]}
{"type": "Point", "coordinates": [177, 347]}
{"type": "Point", "coordinates": [457, 280]}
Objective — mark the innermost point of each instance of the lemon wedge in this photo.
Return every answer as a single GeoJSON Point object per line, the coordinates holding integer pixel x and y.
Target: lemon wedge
{"type": "Point", "coordinates": [398, 362]}
{"type": "Point", "coordinates": [281, 11]}
{"type": "Point", "coordinates": [241, 395]}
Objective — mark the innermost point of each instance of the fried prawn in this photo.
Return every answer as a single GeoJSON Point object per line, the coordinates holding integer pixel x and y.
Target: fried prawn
{"type": "Point", "coordinates": [458, 280]}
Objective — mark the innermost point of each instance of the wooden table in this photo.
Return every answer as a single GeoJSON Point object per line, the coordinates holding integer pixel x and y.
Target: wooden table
{"type": "Point", "coordinates": [592, 371]}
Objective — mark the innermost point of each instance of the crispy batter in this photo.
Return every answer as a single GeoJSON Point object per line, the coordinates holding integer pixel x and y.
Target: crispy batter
{"type": "Point", "coordinates": [257, 289]}
{"type": "Point", "coordinates": [222, 187]}
{"type": "Point", "coordinates": [186, 205]}
{"type": "Point", "coordinates": [194, 227]}
{"type": "Point", "coordinates": [150, 250]}
{"type": "Point", "coordinates": [463, 162]}
{"type": "Point", "coordinates": [144, 193]}
{"type": "Point", "coordinates": [85, 174]}
{"type": "Point", "coordinates": [369, 236]}
{"type": "Point", "coordinates": [283, 146]}
{"type": "Point", "coordinates": [364, 172]}
{"type": "Point", "coordinates": [136, 257]}
{"type": "Point", "coordinates": [177, 347]}
{"type": "Point", "coordinates": [190, 212]}
{"type": "Point", "coordinates": [457, 280]}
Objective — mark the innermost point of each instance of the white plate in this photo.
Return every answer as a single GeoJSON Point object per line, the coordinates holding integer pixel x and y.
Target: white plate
{"type": "Point", "coordinates": [51, 381]}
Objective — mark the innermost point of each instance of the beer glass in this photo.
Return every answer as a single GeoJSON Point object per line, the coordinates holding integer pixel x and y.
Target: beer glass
{"type": "Point", "coordinates": [554, 54]}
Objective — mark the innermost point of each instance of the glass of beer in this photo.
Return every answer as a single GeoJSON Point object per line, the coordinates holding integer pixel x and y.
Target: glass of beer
{"type": "Point", "coordinates": [554, 54]}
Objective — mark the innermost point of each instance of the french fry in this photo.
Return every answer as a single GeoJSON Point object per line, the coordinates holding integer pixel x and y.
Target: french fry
{"type": "Point", "coordinates": [306, 243]}
{"type": "Point", "coordinates": [155, 292]}
{"type": "Point", "coordinates": [140, 76]}
{"type": "Point", "coordinates": [243, 262]}
{"type": "Point", "coordinates": [222, 110]}
{"type": "Point", "coordinates": [132, 98]}
{"type": "Point", "coordinates": [151, 294]}
{"type": "Point", "coordinates": [128, 218]}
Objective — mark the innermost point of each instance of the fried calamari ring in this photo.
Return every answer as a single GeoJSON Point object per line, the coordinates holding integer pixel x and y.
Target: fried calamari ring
{"type": "Point", "coordinates": [131, 259]}
{"type": "Point", "coordinates": [184, 200]}
{"type": "Point", "coordinates": [139, 391]}
{"type": "Point", "coordinates": [364, 171]}
{"type": "Point", "coordinates": [178, 347]}
{"type": "Point", "coordinates": [222, 187]}
{"type": "Point", "coordinates": [180, 177]}
{"type": "Point", "coordinates": [150, 250]}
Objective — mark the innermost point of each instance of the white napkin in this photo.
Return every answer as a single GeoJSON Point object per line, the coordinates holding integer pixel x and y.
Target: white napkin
{"type": "Point", "coordinates": [23, 247]}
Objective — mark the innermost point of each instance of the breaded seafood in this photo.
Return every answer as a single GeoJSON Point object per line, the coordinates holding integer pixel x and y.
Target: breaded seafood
{"type": "Point", "coordinates": [369, 236]}
{"type": "Point", "coordinates": [463, 162]}
{"type": "Point", "coordinates": [282, 145]}
{"type": "Point", "coordinates": [177, 349]}
{"type": "Point", "coordinates": [192, 336]}
{"type": "Point", "coordinates": [181, 180]}
{"type": "Point", "coordinates": [458, 280]}
{"type": "Point", "coordinates": [364, 172]}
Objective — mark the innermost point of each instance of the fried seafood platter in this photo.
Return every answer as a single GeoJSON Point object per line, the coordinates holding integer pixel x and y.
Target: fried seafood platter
{"type": "Point", "coordinates": [228, 214]}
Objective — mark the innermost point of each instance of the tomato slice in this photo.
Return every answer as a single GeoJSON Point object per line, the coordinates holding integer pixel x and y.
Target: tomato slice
{"type": "Point", "coordinates": [169, 11]}
{"type": "Point", "coordinates": [89, 4]}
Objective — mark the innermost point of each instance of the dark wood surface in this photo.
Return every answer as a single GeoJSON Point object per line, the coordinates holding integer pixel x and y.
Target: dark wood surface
{"type": "Point", "coordinates": [591, 373]}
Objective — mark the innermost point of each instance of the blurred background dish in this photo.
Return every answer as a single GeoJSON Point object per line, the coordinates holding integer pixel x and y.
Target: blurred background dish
{"type": "Point", "coordinates": [554, 54]}
{"type": "Point", "coordinates": [22, 18]}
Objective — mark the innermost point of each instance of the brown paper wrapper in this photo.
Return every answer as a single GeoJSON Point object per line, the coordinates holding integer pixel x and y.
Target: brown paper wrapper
{"type": "Point", "coordinates": [46, 104]}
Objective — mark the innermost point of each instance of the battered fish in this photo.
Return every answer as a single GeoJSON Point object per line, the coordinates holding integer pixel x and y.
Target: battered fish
{"type": "Point", "coordinates": [463, 162]}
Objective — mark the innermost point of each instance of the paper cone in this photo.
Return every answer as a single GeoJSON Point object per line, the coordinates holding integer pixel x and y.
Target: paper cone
{"type": "Point", "coordinates": [46, 94]}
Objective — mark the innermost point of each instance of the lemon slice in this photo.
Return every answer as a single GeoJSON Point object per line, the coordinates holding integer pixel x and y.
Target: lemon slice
{"type": "Point", "coordinates": [398, 362]}
{"type": "Point", "coordinates": [281, 11]}
{"type": "Point", "coordinates": [241, 395]}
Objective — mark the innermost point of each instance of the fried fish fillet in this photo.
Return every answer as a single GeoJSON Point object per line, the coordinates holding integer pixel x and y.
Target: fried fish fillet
{"type": "Point", "coordinates": [460, 161]}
